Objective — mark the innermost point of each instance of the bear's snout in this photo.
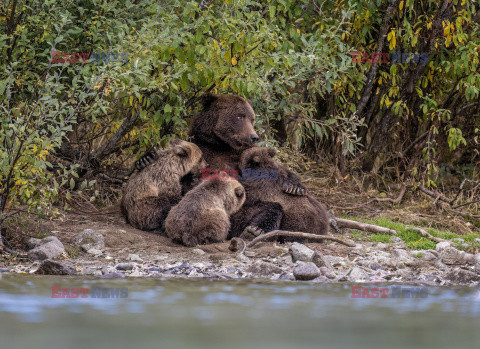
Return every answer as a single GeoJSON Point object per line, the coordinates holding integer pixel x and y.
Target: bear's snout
{"type": "Point", "coordinates": [254, 138]}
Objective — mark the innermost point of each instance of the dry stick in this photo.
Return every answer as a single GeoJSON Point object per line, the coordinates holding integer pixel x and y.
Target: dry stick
{"type": "Point", "coordinates": [427, 235]}
{"type": "Point", "coordinates": [397, 200]}
{"type": "Point", "coordinates": [467, 203]}
{"type": "Point", "coordinates": [433, 195]}
{"type": "Point", "coordinates": [347, 223]}
{"type": "Point", "coordinates": [439, 197]}
{"type": "Point", "coordinates": [298, 235]}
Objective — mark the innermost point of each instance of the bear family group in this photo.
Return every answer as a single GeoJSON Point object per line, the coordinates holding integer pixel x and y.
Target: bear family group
{"type": "Point", "coordinates": [167, 194]}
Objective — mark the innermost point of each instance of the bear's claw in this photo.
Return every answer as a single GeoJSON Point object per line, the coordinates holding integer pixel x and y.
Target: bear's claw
{"type": "Point", "coordinates": [251, 232]}
{"type": "Point", "coordinates": [298, 190]}
{"type": "Point", "coordinates": [145, 160]}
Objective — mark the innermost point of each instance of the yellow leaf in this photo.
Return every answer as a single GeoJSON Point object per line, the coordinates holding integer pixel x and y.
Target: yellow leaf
{"type": "Point", "coordinates": [234, 61]}
{"type": "Point", "coordinates": [401, 5]}
{"type": "Point", "coordinates": [298, 31]}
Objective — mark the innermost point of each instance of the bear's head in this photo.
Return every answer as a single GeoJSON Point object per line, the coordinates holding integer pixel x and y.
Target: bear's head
{"type": "Point", "coordinates": [258, 158]}
{"type": "Point", "coordinates": [230, 191]}
{"type": "Point", "coordinates": [225, 120]}
{"type": "Point", "coordinates": [190, 155]}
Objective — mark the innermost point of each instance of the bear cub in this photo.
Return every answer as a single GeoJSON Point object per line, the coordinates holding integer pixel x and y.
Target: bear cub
{"type": "Point", "coordinates": [203, 215]}
{"type": "Point", "coordinates": [300, 213]}
{"type": "Point", "coordinates": [149, 195]}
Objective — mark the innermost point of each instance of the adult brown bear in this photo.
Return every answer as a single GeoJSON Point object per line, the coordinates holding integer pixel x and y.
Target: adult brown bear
{"type": "Point", "coordinates": [223, 129]}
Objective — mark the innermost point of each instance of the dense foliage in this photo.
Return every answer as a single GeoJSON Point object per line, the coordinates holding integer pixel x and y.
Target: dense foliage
{"type": "Point", "coordinates": [87, 85]}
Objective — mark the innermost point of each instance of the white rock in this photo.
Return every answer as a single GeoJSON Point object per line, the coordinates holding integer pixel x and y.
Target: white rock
{"type": "Point", "coordinates": [442, 245]}
{"type": "Point", "coordinates": [300, 252]}
{"type": "Point", "coordinates": [134, 257]}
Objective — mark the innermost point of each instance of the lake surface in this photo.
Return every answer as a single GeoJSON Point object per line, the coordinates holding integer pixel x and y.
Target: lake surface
{"type": "Point", "coordinates": [212, 314]}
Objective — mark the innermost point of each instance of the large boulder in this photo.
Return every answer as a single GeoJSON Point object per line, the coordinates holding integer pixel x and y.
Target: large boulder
{"type": "Point", "coordinates": [452, 256]}
{"type": "Point", "coordinates": [90, 239]}
{"type": "Point", "coordinates": [462, 276]}
{"type": "Point", "coordinates": [46, 248]}
{"type": "Point", "coordinates": [49, 267]}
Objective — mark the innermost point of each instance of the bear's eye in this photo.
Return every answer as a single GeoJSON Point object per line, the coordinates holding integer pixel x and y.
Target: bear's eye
{"type": "Point", "coordinates": [240, 117]}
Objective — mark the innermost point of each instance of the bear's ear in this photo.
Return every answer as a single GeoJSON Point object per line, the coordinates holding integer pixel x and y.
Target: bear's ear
{"type": "Point", "coordinates": [256, 159]}
{"type": "Point", "coordinates": [239, 192]}
{"type": "Point", "coordinates": [207, 99]}
{"type": "Point", "coordinates": [249, 102]}
{"type": "Point", "coordinates": [181, 151]}
{"type": "Point", "coordinates": [174, 141]}
{"type": "Point", "coordinates": [272, 152]}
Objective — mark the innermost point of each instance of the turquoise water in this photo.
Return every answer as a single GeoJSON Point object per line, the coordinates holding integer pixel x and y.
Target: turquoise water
{"type": "Point", "coordinates": [230, 314]}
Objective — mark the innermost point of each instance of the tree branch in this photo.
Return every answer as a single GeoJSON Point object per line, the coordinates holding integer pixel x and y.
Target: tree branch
{"type": "Point", "coordinates": [297, 235]}
{"type": "Point", "coordinates": [347, 223]}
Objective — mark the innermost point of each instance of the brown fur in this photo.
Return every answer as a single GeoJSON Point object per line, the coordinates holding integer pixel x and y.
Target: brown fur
{"type": "Point", "coordinates": [301, 213]}
{"type": "Point", "coordinates": [149, 194]}
{"type": "Point", "coordinates": [222, 129]}
{"type": "Point", "coordinates": [203, 215]}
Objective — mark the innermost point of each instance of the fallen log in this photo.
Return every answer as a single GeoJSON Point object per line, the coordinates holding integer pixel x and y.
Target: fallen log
{"type": "Point", "coordinates": [427, 235]}
{"type": "Point", "coordinates": [298, 235]}
{"type": "Point", "coordinates": [371, 228]}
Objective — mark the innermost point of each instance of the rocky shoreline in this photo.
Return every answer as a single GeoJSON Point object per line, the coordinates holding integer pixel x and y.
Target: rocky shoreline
{"type": "Point", "coordinates": [367, 262]}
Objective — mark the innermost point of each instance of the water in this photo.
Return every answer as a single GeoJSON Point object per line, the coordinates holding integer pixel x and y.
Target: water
{"type": "Point", "coordinates": [230, 314]}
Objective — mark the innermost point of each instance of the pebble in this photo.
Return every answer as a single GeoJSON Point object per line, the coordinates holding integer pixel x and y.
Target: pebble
{"type": "Point", "coordinates": [306, 271]}
{"type": "Point", "coordinates": [198, 251]}
{"type": "Point", "coordinates": [357, 274]}
{"type": "Point", "coordinates": [125, 266]}
{"type": "Point", "coordinates": [134, 258]}
{"type": "Point", "coordinates": [113, 275]}
{"type": "Point", "coordinates": [328, 273]}
{"type": "Point", "coordinates": [95, 252]}
{"type": "Point", "coordinates": [375, 266]}
{"type": "Point", "coordinates": [264, 268]}
{"type": "Point", "coordinates": [320, 261]}
{"type": "Point", "coordinates": [442, 245]}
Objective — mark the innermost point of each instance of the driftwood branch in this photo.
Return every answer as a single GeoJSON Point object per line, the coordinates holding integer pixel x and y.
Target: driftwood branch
{"type": "Point", "coordinates": [297, 235]}
{"type": "Point", "coordinates": [347, 223]}
{"type": "Point", "coordinates": [427, 235]}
